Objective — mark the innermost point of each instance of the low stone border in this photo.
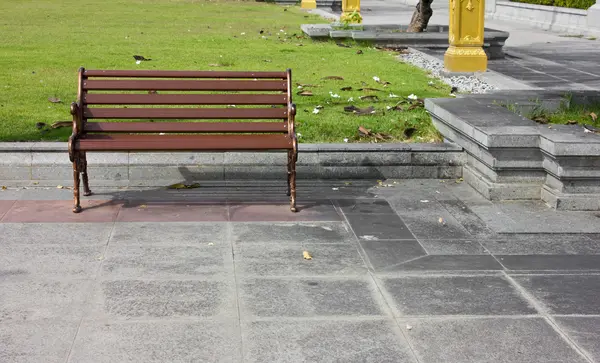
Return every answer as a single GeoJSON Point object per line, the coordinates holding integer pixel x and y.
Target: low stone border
{"type": "Point", "coordinates": [395, 35]}
{"type": "Point", "coordinates": [512, 157]}
{"type": "Point", "coordinates": [47, 164]}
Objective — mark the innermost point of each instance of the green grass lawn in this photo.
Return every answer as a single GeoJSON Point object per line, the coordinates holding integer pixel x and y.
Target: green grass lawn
{"type": "Point", "coordinates": [44, 42]}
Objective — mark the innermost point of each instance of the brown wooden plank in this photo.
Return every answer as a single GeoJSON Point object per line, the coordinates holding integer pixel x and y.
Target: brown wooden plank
{"type": "Point", "coordinates": [185, 99]}
{"type": "Point", "coordinates": [183, 74]}
{"type": "Point", "coordinates": [186, 127]}
{"type": "Point", "coordinates": [186, 113]}
{"type": "Point", "coordinates": [184, 85]}
{"type": "Point", "coordinates": [182, 142]}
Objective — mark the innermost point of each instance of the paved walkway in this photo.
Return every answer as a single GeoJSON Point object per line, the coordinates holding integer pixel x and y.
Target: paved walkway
{"type": "Point", "coordinates": [536, 57]}
{"type": "Point", "coordinates": [413, 271]}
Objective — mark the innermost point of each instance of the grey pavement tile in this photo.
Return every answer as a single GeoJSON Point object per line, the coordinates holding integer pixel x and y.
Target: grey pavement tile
{"type": "Point", "coordinates": [450, 263]}
{"type": "Point", "coordinates": [543, 244]}
{"type": "Point", "coordinates": [310, 297]}
{"type": "Point", "coordinates": [387, 255]}
{"type": "Point", "coordinates": [455, 295]}
{"type": "Point", "coordinates": [125, 261]}
{"type": "Point", "coordinates": [147, 342]}
{"type": "Point", "coordinates": [467, 218]}
{"type": "Point", "coordinates": [269, 259]}
{"type": "Point", "coordinates": [435, 225]}
{"type": "Point", "coordinates": [303, 232]}
{"type": "Point", "coordinates": [378, 226]}
{"type": "Point", "coordinates": [585, 332]}
{"type": "Point", "coordinates": [177, 233]}
{"type": "Point", "coordinates": [488, 340]}
{"type": "Point", "coordinates": [564, 294]}
{"type": "Point", "coordinates": [55, 233]}
{"type": "Point", "coordinates": [550, 262]}
{"type": "Point", "coordinates": [325, 341]}
{"type": "Point", "coordinates": [126, 299]}
{"type": "Point", "coordinates": [50, 261]}
{"type": "Point", "coordinates": [27, 300]}
{"type": "Point", "coordinates": [47, 341]}
{"type": "Point", "coordinates": [453, 247]}
{"type": "Point", "coordinates": [365, 206]}
{"type": "Point", "coordinates": [11, 194]}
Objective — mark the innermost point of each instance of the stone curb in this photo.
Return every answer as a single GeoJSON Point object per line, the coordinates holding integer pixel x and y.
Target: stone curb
{"type": "Point", "coordinates": [46, 163]}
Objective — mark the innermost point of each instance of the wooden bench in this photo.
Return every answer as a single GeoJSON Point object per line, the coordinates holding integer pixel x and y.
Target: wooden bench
{"type": "Point", "coordinates": [184, 95]}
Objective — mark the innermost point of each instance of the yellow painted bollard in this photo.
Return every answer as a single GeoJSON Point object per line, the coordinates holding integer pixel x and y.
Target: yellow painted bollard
{"type": "Point", "coordinates": [308, 4]}
{"type": "Point", "coordinates": [351, 11]}
{"type": "Point", "coordinates": [465, 53]}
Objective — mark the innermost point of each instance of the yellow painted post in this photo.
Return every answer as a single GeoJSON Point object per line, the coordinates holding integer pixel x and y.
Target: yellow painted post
{"type": "Point", "coordinates": [465, 53]}
{"type": "Point", "coordinates": [351, 11]}
{"type": "Point", "coordinates": [308, 4]}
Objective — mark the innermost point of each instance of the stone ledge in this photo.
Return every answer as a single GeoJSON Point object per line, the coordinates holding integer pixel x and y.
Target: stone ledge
{"type": "Point", "coordinates": [512, 157]}
{"type": "Point", "coordinates": [27, 163]}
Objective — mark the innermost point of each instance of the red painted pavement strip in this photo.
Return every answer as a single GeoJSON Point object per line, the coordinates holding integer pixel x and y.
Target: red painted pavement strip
{"type": "Point", "coordinates": [60, 211]}
{"type": "Point", "coordinates": [172, 212]}
{"type": "Point", "coordinates": [317, 211]}
{"type": "Point", "coordinates": [5, 205]}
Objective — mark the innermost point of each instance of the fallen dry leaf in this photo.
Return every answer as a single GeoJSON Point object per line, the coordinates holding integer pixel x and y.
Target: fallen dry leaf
{"type": "Point", "coordinates": [307, 85]}
{"type": "Point", "coordinates": [594, 116]}
{"type": "Point", "coordinates": [183, 186]}
{"type": "Point", "coordinates": [364, 131]}
{"type": "Point", "coordinates": [54, 99]}
{"type": "Point", "coordinates": [442, 221]}
{"type": "Point", "coordinates": [360, 111]}
{"type": "Point", "coordinates": [343, 45]}
{"type": "Point", "coordinates": [143, 206]}
{"type": "Point", "coordinates": [306, 255]}
{"type": "Point", "coordinates": [59, 124]}
{"type": "Point", "coordinates": [459, 180]}
{"type": "Point", "coordinates": [60, 187]}
{"type": "Point", "coordinates": [370, 89]}
{"type": "Point", "coordinates": [359, 52]}
{"type": "Point", "coordinates": [369, 98]}
{"type": "Point", "coordinates": [541, 120]}
{"type": "Point", "coordinates": [304, 93]}
{"type": "Point", "coordinates": [572, 122]}
{"type": "Point", "coordinates": [336, 78]}
{"type": "Point", "coordinates": [40, 125]}
{"type": "Point", "coordinates": [4, 187]}
{"type": "Point", "coordinates": [214, 65]}
{"type": "Point", "coordinates": [346, 88]}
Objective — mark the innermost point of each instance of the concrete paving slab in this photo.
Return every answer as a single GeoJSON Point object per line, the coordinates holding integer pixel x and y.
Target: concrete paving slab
{"type": "Point", "coordinates": [371, 227]}
{"type": "Point", "coordinates": [388, 255]}
{"type": "Point", "coordinates": [154, 342]}
{"type": "Point", "coordinates": [260, 212]}
{"type": "Point", "coordinates": [36, 234]}
{"type": "Point", "coordinates": [453, 247]}
{"type": "Point", "coordinates": [435, 225]}
{"type": "Point", "coordinates": [51, 261]}
{"type": "Point", "coordinates": [142, 299]}
{"type": "Point", "coordinates": [365, 206]}
{"type": "Point", "coordinates": [542, 244]}
{"type": "Point", "coordinates": [585, 331]}
{"type": "Point", "coordinates": [564, 294]}
{"type": "Point", "coordinates": [455, 295]}
{"type": "Point", "coordinates": [172, 212]}
{"type": "Point", "coordinates": [39, 341]}
{"type": "Point", "coordinates": [175, 234]}
{"type": "Point", "coordinates": [488, 340]}
{"type": "Point", "coordinates": [450, 263]}
{"type": "Point", "coordinates": [304, 232]}
{"type": "Point", "coordinates": [269, 259]}
{"type": "Point", "coordinates": [33, 299]}
{"type": "Point", "coordinates": [325, 341]}
{"type": "Point", "coordinates": [59, 211]}
{"type": "Point", "coordinates": [522, 263]}
{"type": "Point", "coordinates": [310, 297]}
{"type": "Point", "coordinates": [132, 261]}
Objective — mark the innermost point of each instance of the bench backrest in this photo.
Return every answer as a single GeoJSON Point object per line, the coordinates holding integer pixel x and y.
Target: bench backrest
{"type": "Point", "coordinates": [184, 95]}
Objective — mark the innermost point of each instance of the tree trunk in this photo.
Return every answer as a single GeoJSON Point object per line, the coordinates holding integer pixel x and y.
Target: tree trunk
{"type": "Point", "coordinates": [420, 17]}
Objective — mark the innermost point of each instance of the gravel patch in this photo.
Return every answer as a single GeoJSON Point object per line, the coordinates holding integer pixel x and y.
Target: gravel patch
{"type": "Point", "coordinates": [462, 83]}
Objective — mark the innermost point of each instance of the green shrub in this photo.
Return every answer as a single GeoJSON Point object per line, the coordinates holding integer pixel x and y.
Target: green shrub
{"type": "Point", "coordinates": [573, 4]}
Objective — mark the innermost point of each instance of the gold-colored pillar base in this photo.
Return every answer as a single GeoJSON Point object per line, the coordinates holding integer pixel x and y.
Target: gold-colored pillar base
{"type": "Point", "coordinates": [465, 59]}
{"type": "Point", "coordinates": [308, 4]}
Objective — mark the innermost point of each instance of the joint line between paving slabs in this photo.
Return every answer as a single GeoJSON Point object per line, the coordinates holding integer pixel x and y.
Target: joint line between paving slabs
{"type": "Point", "coordinates": [542, 310]}
{"type": "Point", "coordinates": [229, 237]}
{"type": "Point", "coordinates": [96, 277]}
{"type": "Point", "coordinates": [384, 302]}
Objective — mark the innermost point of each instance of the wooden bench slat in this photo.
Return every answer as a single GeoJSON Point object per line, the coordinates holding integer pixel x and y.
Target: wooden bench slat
{"type": "Point", "coordinates": [185, 85]}
{"type": "Point", "coordinates": [185, 99]}
{"type": "Point", "coordinates": [182, 142]}
{"type": "Point", "coordinates": [186, 113]}
{"type": "Point", "coordinates": [186, 127]}
{"type": "Point", "coordinates": [182, 74]}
